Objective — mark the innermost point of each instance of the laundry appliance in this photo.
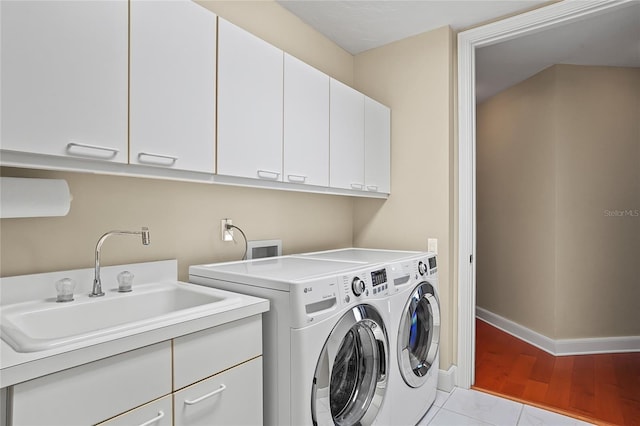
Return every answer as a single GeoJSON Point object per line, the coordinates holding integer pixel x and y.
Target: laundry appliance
{"type": "Point", "coordinates": [414, 332]}
{"type": "Point", "coordinates": [326, 346]}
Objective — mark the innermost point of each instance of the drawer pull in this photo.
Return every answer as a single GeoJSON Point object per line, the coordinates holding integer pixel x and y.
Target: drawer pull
{"type": "Point", "coordinates": [297, 178]}
{"type": "Point", "coordinates": [172, 159]}
{"type": "Point", "coordinates": [153, 420]}
{"type": "Point", "coordinates": [266, 174]}
{"type": "Point", "coordinates": [372, 188]}
{"type": "Point", "coordinates": [357, 186]}
{"type": "Point", "coordinates": [203, 397]}
{"type": "Point", "coordinates": [113, 151]}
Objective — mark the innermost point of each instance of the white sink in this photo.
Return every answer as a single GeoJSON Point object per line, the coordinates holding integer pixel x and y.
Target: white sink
{"type": "Point", "coordinates": [45, 324]}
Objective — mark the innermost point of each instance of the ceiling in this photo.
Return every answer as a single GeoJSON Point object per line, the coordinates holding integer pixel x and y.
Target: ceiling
{"type": "Point", "coordinates": [611, 39]}
{"type": "Point", "coordinates": [361, 25]}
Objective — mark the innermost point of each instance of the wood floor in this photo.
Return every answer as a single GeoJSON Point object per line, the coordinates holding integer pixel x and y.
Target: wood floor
{"type": "Point", "coordinates": [603, 389]}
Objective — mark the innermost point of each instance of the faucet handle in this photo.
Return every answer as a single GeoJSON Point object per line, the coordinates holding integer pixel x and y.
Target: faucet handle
{"type": "Point", "coordinates": [65, 287]}
{"type": "Point", "coordinates": [125, 281]}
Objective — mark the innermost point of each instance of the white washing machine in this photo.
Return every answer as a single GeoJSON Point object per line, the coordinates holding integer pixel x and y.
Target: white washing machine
{"type": "Point", "coordinates": [414, 329]}
{"type": "Point", "coordinates": [326, 346]}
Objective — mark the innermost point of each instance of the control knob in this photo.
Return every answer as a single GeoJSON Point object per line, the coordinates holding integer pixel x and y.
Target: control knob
{"type": "Point", "coordinates": [422, 268]}
{"type": "Point", "coordinates": [357, 285]}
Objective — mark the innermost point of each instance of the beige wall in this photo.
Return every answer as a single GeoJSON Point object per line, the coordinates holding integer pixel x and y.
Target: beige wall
{"type": "Point", "coordinates": [414, 78]}
{"type": "Point", "coordinates": [515, 177]}
{"type": "Point", "coordinates": [555, 154]}
{"type": "Point", "coordinates": [184, 218]}
{"type": "Point", "coordinates": [598, 156]}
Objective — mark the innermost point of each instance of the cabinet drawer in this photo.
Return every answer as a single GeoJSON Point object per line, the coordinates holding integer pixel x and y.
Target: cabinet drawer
{"type": "Point", "coordinates": [233, 397]}
{"type": "Point", "coordinates": [96, 391]}
{"type": "Point", "coordinates": [207, 352]}
{"type": "Point", "coordinates": [156, 413]}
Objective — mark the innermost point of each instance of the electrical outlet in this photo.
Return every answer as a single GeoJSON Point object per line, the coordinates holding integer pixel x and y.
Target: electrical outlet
{"type": "Point", "coordinates": [226, 234]}
{"type": "Point", "coordinates": [432, 245]}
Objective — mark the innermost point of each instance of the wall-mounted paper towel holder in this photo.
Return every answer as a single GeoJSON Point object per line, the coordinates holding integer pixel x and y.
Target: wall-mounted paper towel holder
{"type": "Point", "coordinates": [30, 197]}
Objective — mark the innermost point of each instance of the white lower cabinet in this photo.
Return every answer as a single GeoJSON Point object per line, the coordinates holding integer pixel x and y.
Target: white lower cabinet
{"type": "Point", "coordinates": [155, 413]}
{"type": "Point", "coordinates": [233, 397]}
{"type": "Point", "coordinates": [96, 391]}
{"type": "Point", "coordinates": [218, 382]}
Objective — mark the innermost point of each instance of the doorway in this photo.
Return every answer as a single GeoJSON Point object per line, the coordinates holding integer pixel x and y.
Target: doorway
{"type": "Point", "coordinates": [547, 18]}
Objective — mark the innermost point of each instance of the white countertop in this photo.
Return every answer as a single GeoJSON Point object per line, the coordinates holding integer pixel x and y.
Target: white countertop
{"type": "Point", "coordinates": [17, 367]}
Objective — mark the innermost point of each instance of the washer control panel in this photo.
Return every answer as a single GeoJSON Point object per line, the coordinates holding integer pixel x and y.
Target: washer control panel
{"type": "Point", "coordinates": [370, 282]}
{"type": "Point", "coordinates": [357, 286]}
{"type": "Point", "coordinates": [422, 268]}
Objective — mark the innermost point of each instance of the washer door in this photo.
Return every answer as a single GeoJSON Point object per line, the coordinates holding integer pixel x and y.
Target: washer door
{"type": "Point", "coordinates": [350, 380]}
{"type": "Point", "coordinates": [419, 335]}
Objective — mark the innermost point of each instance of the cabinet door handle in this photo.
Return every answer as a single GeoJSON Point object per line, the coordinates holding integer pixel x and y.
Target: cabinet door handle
{"type": "Point", "coordinates": [372, 188]}
{"type": "Point", "coordinates": [357, 186]}
{"type": "Point", "coordinates": [297, 178]}
{"type": "Point", "coordinates": [203, 397]}
{"type": "Point", "coordinates": [266, 174]}
{"type": "Point", "coordinates": [172, 159]}
{"type": "Point", "coordinates": [113, 151]}
{"type": "Point", "coordinates": [153, 420]}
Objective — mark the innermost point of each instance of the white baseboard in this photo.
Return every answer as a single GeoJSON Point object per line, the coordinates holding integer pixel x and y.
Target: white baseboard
{"type": "Point", "coordinates": [447, 379]}
{"type": "Point", "coordinates": [560, 347]}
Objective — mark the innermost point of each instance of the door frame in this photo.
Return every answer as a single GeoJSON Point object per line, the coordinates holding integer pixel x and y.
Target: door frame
{"type": "Point", "coordinates": [537, 20]}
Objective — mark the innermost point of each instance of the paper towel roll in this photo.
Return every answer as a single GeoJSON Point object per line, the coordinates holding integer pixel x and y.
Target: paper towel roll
{"type": "Point", "coordinates": [26, 197]}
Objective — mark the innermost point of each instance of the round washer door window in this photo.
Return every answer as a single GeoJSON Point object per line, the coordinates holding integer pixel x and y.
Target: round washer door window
{"type": "Point", "coordinates": [419, 335]}
{"type": "Point", "coordinates": [350, 380]}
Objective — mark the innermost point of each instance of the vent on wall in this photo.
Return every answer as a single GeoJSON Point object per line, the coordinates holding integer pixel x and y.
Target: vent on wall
{"type": "Point", "coordinates": [257, 249]}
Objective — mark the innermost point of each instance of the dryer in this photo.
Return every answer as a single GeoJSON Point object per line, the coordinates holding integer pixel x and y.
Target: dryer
{"type": "Point", "coordinates": [326, 344]}
{"type": "Point", "coordinates": [414, 328]}
{"type": "Point", "coordinates": [415, 314]}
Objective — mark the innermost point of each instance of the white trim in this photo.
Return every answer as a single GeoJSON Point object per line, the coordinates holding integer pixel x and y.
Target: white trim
{"type": "Point", "coordinates": [521, 332]}
{"type": "Point", "coordinates": [598, 345]}
{"type": "Point", "coordinates": [527, 23]}
{"type": "Point", "coordinates": [447, 379]}
{"type": "Point", "coordinates": [561, 347]}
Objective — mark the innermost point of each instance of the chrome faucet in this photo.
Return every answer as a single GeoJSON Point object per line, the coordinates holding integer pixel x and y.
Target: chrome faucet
{"type": "Point", "coordinates": [97, 284]}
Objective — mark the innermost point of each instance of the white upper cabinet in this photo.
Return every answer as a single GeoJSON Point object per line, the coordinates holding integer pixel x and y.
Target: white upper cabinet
{"type": "Point", "coordinates": [172, 85]}
{"type": "Point", "coordinates": [306, 123]}
{"type": "Point", "coordinates": [250, 104]}
{"type": "Point", "coordinates": [64, 78]}
{"type": "Point", "coordinates": [346, 137]}
{"type": "Point", "coordinates": [377, 146]}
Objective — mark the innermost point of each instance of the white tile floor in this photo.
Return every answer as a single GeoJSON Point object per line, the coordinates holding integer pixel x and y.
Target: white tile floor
{"type": "Point", "coordinates": [469, 407]}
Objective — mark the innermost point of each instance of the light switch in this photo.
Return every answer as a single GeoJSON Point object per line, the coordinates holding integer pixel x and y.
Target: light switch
{"type": "Point", "coordinates": [432, 245]}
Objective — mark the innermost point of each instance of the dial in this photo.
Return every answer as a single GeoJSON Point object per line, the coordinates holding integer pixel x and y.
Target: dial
{"type": "Point", "coordinates": [357, 285]}
{"type": "Point", "coordinates": [422, 268]}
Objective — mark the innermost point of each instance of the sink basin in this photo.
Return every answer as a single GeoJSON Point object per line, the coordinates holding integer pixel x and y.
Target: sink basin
{"type": "Point", "coordinates": [45, 324]}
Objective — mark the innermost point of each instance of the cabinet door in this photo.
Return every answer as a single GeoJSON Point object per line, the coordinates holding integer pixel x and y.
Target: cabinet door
{"type": "Point", "coordinates": [156, 413]}
{"type": "Point", "coordinates": [64, 78]}
{"type": "Point", "coordinates": [233, 397]}
{"type": "Point", "coordinates": [346, 137]}
{"type": "Point", "coordinates": [249, 105]}
{"type": "Point", "coordinates": [306, 123]}
{"type": "Point", "coordinates": [377, 146]}
{"type": "Point", "coordinates": [173, 85]}
{"type": "Point", "coordinates": [96, 391]}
